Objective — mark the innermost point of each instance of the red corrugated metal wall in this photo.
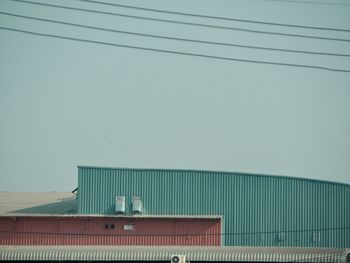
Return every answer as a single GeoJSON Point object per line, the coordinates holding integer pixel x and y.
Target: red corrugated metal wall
{"type": "Point", "coordinates": [136, 231]}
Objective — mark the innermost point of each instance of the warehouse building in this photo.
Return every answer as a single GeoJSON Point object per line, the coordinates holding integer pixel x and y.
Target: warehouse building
{"type": "Point", "coordinates": [158, 207]}
{"type": "Point", "coordinates": [253, 210]}
{"type": "Point", "coordinates": [158, 215]}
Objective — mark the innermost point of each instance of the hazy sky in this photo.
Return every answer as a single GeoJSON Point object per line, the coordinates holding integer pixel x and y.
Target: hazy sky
{"type": "Point", "coordinates": [65, 103]}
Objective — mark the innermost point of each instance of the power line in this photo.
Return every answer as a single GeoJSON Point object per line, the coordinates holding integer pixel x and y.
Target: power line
{"type": "Point", "coordinates": [176, 52]}
{"type": "Point", "coordinates": [175, 38]}
{"type": "Point", "coordinates": [172, 235]}
{"type": "Point", "coordinates": [183, 22]}
{"type": "Point", "coordinates": [215, 17]}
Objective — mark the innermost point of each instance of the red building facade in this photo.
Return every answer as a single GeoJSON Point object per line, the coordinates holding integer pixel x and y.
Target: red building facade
{"type": "Point", "coordinates": [110, 230]}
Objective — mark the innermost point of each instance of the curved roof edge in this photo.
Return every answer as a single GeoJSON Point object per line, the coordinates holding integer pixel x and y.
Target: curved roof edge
{"type": "Point", "coordinates": [213, 171]}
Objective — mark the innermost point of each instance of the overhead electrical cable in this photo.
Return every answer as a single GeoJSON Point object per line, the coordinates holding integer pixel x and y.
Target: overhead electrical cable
{"type": "Point", "coordinates": [215, 17]}
{"type": "Point", "coordinates": [174, 235]}
{"type": "Point", "coordinates": [173, 38]}
{"type": "Point", "coordinates": [183, 22]}
{"type": "Point", "coordinates": [176, 52]}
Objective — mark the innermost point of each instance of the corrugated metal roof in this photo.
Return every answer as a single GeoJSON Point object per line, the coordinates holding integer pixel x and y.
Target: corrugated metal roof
{"type": "Point", "coordinates": [156, 253]}
{"type": "Point", "coordinates": [211, 171]}
{"type": "Point", "coordinates": [37, 202]}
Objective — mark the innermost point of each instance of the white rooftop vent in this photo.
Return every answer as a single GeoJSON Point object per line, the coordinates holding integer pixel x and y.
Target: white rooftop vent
{"type": "Point", "coordinates": [136, 204]}
{"type": "Point", "coordinates": [120, 204]}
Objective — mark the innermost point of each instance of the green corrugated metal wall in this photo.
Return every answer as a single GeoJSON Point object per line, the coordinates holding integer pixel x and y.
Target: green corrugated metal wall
{"type": "Point", "coordinates": [257, 210]}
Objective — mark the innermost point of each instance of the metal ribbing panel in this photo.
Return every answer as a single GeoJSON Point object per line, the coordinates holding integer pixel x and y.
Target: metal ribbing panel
{"type": "Point", "coordinates": [257, 210]}
{"type": "Point", "coordinates": [159, 253]}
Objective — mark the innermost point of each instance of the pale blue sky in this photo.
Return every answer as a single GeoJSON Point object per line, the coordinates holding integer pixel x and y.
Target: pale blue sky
{"type": "Point", "coordinates": [65, 103]}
